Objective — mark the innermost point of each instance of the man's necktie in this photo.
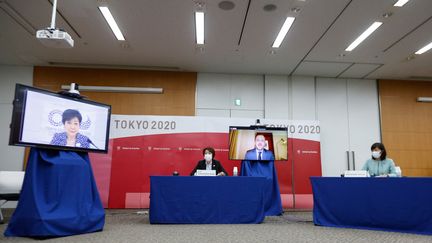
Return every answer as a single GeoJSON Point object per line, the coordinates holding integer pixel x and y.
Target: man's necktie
{"type": "Point", "coordinates": [259, 155]}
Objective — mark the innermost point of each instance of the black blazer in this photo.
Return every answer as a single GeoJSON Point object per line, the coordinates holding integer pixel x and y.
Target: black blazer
{"type": "Point", "coordinates": [216, 165]}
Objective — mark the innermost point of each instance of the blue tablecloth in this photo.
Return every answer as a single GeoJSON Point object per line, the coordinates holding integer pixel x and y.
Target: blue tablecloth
{"type": "Point", "coordinates": [207, 200]}
{"type": "Point", "coordinates": [390, 204]}
{"type": "Point", "coordinates": [58, 198]}
{"type": "Point", "coordinates": [273, 203]}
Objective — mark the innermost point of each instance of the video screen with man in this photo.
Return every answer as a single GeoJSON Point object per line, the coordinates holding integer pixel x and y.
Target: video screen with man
{"type": "Point", "coordinates": [46, 119]}
{"type": "Point", "coordinates": [261, 144]}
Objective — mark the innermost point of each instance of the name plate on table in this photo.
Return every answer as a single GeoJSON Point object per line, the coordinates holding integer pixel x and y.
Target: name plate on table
{"type": "Point", "coordinates": [356, 173]}
{"type": "Point", "coordinates": [205, 173]}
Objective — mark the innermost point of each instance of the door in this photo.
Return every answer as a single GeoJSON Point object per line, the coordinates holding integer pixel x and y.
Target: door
{"type": "Point", "coordinates": [332, 112]}
{"type": "Point", "coordinates": [363, 119]}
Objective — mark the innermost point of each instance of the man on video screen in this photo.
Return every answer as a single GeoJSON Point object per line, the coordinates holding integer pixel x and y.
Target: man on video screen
{"type": "Point", "coordinates": [71, 120]}
{"type": "Point", "coordinates": [259, 152]}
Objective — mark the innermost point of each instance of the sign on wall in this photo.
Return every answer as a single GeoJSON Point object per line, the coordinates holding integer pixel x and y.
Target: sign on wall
{"type": "Point", "coordinates": [142, 146]}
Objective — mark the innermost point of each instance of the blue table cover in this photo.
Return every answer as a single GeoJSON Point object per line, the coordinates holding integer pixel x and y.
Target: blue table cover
{"type": "Point", "coordinates": [58, 198]}
{"type": "Point", "coordinates": [207, 199]}
{"type": "Point", "coordinates": [389, 204]}
{"type": "Point", "coordinates": [273, 203]}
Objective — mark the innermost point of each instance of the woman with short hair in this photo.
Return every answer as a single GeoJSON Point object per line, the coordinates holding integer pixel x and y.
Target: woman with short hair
{"type": "Point", "coordinates": [209, 163]}
{"type": "Point", "coordinates": [71, 120]}
{"type": "Point", "coordinates": [379, 165]}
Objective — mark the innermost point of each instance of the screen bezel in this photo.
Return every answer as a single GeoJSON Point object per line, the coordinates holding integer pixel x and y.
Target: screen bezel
{"type": "Point", "coordinates": [256, 128]}
{"type": "Point", "coordinates": [18, 113]}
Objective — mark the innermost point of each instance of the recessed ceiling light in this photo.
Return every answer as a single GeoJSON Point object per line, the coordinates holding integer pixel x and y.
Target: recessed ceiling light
{"type": "Point", "coordinates": [269, 7]}
{"type": "Point", "coordinates": [400, 3]}
{"type": "Point", "coordinates": [125, 45]}
{"type": "Point", "coordinates": [424, 49]}
{"type": "Point", "coordinates": [112, 23]}
{"type": "Point", "coordinates": [283, 31]}
{"type": "Point", "coordinates": [409, 58]}
{"type": "Point", "coordinates": [199, 6]}
{"type": "Point", "coordinates": [226, 5]}
{"type": "Point", "coordinates": [363, 36]}
{"type": "Point", "coordinates": [199, 27]}
{"type": "Point", "coordinates": [295, 9]}
{"type": "Point", "coordinates": [387, 15]}
{"type": "Point", "coordinates": [199, 49]}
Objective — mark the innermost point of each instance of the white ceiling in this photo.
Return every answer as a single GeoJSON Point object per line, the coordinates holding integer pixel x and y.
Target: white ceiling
{"type": "Point", "coordinates": [160, 35]}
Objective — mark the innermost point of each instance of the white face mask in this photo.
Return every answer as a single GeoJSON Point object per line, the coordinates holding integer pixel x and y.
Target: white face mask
{"type": "Point", "coordinates": [376, 154]}
{"type": "Point", "coordinates": [208, 157]}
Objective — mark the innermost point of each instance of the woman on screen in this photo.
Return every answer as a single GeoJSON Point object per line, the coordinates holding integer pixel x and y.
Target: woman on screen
{"type": "Point", "coordinates": [209, 163]}
{"type": "Point", "coordinates": [71, 120]}
{"type": "Point", "coordinates": [379, 165]}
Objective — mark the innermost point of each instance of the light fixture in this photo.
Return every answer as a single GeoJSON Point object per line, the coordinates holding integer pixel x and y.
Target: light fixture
{"type": "Point", "coordinates": [199, 27]}
{"type": "Point", "coordinates": [424, 99]}
{"type": "Point", "coordinates": [363, 36]}
{"type": "Point", "coordinates": [117, 89]}
{"type": "Point", "coordinates": [112, 23]}
{"type": "Point", "coordinates": [400, 3]}
{"type": "Point", "coordinates": [387, 15]}
{"type": "Point", "coordinates": [283, 31]}
{"type": "Point", "coordinates": [424, 49]}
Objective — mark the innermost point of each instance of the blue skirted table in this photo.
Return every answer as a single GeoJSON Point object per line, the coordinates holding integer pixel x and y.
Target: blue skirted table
{"type": "Point", "coordinates": [58, 198]}
{"type": "Point", "coordinates": [389, 204]}
{"type": "Point", "coordinates": [266, 169]}
{"type": "Point", "coordinates": [207, 199]}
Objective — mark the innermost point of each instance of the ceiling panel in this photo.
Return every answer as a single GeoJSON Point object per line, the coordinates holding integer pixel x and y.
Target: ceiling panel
{"type": "Point", "coordinates": [160, 34]}
{"type": "Point", "coordinates": [401, 63]}
{"type": "Point", "coordinates": [262, 28]}
{"type": "Point", "coordinates": [359, 70]}
{"type": "Point", "coordinates": [321, 69]}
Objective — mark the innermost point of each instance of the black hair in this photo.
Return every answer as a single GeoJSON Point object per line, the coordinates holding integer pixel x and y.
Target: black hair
{"type": "Point", "coordinates": [382, 148]}
{"type": "Point", "coordinates": [69, 114]}
{"type": "Point", "coordinates": [211, 150]}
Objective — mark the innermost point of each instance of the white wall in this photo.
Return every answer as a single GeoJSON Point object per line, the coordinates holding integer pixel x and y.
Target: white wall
{"type": "Point", "coordinates": [303, 98]}
{"type": "Point", "coordinates": [11, 156]}
{"type": "Point", "coordinates": [276, 94]}
{"type": "Point", "coordinates": [347, 109]}
{"type": "Point", "coordinates": [216, 94]}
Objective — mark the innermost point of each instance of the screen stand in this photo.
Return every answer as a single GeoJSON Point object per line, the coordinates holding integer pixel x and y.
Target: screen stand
{"type": "Point", "coordinates": [273, 203]}
{"type": "Point", "coordinates": [73, 95]}
{"type": "Point", "coordinates": [59, 196]}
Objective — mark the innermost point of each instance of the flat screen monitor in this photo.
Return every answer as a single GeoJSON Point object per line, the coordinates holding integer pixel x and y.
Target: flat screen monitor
{"type": "Point", "coordinates": [45, 119]}
{"type": "Point", "coordinates": [258, 143]}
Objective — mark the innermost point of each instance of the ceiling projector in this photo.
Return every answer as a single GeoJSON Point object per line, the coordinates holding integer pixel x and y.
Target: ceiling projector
{"type": "Point", "coordinates": [55, 38]}
{"type": "Point", "coordinates": [52, 36]}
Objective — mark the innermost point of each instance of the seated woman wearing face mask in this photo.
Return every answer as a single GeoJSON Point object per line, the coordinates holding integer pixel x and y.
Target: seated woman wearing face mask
{"type": "Point", "coordinates": [209, 163]}
{"type": "Point", "coordinates": [379, 165]}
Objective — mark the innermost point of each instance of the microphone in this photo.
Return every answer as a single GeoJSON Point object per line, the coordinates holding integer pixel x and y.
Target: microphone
{"type": "Point", "coordinates": [378, 167]}
{"type": "Point", "coordinates": [91, 142]}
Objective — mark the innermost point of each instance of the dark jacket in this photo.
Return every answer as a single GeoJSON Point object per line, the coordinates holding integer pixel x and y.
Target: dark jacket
{"type": "Point", "coordinates": [216, 165]}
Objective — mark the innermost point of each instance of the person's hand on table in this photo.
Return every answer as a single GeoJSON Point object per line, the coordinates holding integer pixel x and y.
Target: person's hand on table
{"type": "Point", "coordinates": [221, 174]}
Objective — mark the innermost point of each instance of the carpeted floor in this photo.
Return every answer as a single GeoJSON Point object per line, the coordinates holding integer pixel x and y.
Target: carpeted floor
{"type": "Point", "coordinates": [133, 226]}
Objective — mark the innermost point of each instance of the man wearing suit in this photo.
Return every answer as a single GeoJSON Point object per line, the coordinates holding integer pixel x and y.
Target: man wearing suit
{"type": "Point", "coordinates": [259, 152]}
{"type": "Point", "coordinates": [209, 163]}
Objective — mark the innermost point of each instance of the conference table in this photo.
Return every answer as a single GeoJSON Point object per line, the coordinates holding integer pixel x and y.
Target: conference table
{"type": "Point", "coordinates": [207, 199]}
{"type": "Point", "coordinates": [389, 204]}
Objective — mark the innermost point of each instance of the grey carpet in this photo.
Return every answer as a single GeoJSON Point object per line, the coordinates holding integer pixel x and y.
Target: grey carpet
{"type": "Point", "coordinates": [133, 226]}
